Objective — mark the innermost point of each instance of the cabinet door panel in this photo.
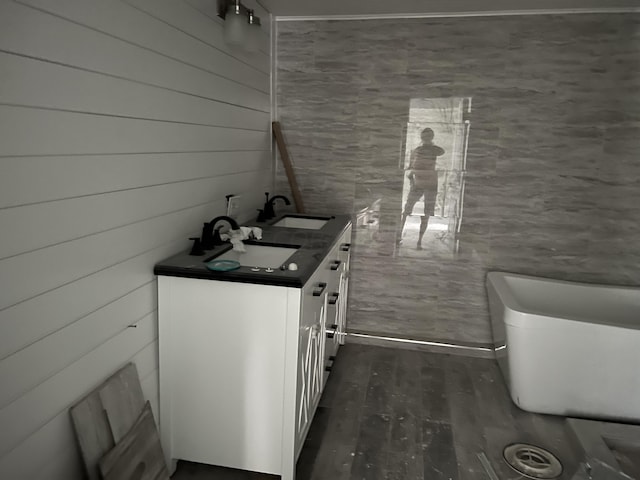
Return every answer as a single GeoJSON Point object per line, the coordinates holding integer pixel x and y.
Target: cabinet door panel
{"type": "Point", "coordinates": [311, 345]}
{"type": "Point", "coordinates": [341, 310]}
{"type": "Point", "coordinates": [332, 323]}
{"type": "Point", "coordinates": [344, 254]}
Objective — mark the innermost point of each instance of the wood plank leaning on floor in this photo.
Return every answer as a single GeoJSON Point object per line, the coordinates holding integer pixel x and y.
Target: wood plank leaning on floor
{"type": "Point", "coordinates": [288, 167]}
{"type": "Point", "coordinates": [138, 454]}
{"type": "Point", "coordinates": [102, 418]}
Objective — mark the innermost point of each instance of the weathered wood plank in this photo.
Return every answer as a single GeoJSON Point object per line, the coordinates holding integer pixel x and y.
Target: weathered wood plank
{"type": "Point", "coordinates": [92, 431]}
{"type": "Point", "coordinates": [138, 455]}
{"type": "Point", "coordinates": [286, 161]}
{"type": "Point", "coordinates": [122, 401]}
{"type": "Point", "coordinates": [105, 415]}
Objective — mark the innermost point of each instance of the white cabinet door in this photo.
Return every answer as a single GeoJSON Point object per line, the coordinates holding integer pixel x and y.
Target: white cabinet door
{"type": "Point", "coordinates": [344, 254]}
{"type": "Point", "coordinates": [311, 345]}
{"type": "Point", "coordinates": [341, 308]}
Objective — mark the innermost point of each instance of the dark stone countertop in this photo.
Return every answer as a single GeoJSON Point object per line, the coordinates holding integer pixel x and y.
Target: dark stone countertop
{"type": "Point", "coordinates": [314, 246]}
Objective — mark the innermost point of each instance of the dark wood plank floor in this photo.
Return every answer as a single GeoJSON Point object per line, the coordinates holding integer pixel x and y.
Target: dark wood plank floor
{"type": "Point", "coordinates": [397, 414]}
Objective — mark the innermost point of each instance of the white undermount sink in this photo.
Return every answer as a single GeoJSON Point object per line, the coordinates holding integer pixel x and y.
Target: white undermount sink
{"type": "Point", "coordinates": [263, 256]}
{"type": "Point", "coordinates": [311, 223]}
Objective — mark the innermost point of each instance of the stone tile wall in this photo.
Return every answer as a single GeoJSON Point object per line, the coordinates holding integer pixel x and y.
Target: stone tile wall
{"type": "Point", "coordinates": [552, 175]}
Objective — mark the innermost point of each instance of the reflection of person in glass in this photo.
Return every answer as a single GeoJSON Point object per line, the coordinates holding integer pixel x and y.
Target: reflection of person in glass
{"type": "Point", "coordinates": [423, 179]}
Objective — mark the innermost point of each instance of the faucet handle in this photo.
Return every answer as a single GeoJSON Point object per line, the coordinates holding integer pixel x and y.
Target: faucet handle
{"type": "Point", "coordinates": [196, 249]}
{"type": "Point", "coordinates": [216, 240]}
{"type": "Point", "coordinates": [206, 236]}
{"type": "Point", "coordinates": [269, 212]}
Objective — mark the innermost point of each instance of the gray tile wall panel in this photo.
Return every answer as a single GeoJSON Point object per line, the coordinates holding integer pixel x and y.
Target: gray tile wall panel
{"type": "Point", "coordinates": [552, 166]}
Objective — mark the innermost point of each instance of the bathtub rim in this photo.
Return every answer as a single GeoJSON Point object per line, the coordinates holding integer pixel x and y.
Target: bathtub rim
{"type": "Point", "coordinates": [496, 281]}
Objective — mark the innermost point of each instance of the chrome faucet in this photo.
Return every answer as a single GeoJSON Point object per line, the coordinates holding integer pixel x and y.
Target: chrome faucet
{"type": "Point", "coordinates": [211, 234]}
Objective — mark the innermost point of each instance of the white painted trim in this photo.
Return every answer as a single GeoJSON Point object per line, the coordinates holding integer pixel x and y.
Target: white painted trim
{"type": "Point", "coordinates": [273, 39]}
{"type": "Point", "coordinates": [421, 342]}
{"type": "Point", "coordinates": [497, 13]}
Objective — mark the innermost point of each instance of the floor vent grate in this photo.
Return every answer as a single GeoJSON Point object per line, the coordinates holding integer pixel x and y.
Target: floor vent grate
{"type": "Point", "coordinates": [532, 461]}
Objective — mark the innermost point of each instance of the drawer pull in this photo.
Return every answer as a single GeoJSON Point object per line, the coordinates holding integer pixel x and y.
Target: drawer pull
{"type": "Point", "coordinates": [334, 298]}
{"type": "Point", "coordinates": [327, 369]}
{"type": "Point", "coordinates": [335, 265]}
{"type": "Point", "coordinates": [319, 289]}
{"type": "Point", "coordinates": [345, 247]}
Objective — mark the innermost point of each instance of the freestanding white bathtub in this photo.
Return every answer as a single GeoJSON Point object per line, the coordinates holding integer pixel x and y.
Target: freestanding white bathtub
{"type": "Point", "coordinates": [566, 348]}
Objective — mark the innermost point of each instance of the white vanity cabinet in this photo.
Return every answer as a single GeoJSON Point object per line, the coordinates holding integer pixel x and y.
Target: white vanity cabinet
{"type": "Point", "coordinates": [242, 366]}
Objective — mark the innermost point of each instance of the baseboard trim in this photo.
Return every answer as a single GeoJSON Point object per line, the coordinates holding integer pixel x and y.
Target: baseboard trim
{"type": "Point", "coordinates": [422, 345]}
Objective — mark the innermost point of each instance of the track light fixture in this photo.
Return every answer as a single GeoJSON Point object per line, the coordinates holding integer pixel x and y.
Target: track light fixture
{"type": "Point", "coordinates": [241, 26]}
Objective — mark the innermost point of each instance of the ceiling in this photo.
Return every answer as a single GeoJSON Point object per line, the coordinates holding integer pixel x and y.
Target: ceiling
{"type": "Point", "coordinates": [381, 8]}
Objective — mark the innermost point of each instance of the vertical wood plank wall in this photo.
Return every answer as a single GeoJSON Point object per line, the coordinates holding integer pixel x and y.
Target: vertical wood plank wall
{"type": "Point", "coordinates": [123, 124]}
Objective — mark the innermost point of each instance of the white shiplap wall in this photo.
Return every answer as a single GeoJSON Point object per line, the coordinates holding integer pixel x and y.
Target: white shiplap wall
{"type": "Point", "coordinates": [123, 124]}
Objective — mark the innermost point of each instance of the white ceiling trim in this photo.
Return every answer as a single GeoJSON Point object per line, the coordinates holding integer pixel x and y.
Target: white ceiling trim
{"type": "Point", "coordinates": [496, 13]}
